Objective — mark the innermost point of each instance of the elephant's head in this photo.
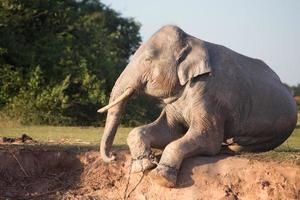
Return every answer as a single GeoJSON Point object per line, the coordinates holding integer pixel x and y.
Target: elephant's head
{"type": "Point", "coordinates": [159, 68]}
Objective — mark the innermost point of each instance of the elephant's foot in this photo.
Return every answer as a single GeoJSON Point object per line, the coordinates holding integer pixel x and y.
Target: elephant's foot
{"type": "Point", "coordinates": [164, 175]}
{"type": "Point", "coordinates": [141, 165]}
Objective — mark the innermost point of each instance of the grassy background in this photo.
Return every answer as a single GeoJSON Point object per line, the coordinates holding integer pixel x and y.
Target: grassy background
{"type": "Point", "coordinates": [61, 134]}
{"type": "Point", "coordinates": [293, 142]}
{"type": "Point", "coordinates": [92, 135]}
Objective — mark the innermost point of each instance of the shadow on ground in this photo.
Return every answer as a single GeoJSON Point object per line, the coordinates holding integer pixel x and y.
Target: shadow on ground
{"type": "Point", "coordinates": [28, 173]}
{"type": "Point", "coordinates": [41, 171]}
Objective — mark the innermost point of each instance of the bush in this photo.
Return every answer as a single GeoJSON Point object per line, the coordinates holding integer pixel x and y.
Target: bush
{"type": "Point", "coordinates": [59, 60]}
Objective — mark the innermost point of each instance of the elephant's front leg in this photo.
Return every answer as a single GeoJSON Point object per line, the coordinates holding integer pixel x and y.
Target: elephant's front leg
{"type": "Point", "coordinates": [157, 134]}
{"type": "Point", "coordinates": [203, 138]}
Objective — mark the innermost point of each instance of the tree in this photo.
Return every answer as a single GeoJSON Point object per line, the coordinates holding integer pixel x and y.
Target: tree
{"type": "Point", "coordinates": [59, 60]}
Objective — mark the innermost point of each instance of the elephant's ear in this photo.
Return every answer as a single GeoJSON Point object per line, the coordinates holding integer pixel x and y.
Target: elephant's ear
{"type": "Point", "coordinates": [192, 61]}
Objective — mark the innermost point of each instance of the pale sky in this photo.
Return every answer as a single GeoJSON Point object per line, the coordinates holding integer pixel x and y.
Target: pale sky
{"type": "Point", "coordinates": [264, 29]}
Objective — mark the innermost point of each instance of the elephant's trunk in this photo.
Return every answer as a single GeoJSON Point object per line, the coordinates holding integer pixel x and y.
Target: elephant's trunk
{"type": "Point", "coordinates": [122, 90]}
{"type": "Point", "coordinates": [111, 126]}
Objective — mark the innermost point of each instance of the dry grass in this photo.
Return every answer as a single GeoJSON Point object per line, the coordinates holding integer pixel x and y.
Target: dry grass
{"type": "Point", "coordinates": [59, 134]}
{"type": "Point", "coordinates": [92, 135]}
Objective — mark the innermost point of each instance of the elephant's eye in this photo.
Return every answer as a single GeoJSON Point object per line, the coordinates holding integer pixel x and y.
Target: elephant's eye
{"type": "Point", "coordinates": [148, 60]}
{"type": "Point", "coordinates": [150, 53]}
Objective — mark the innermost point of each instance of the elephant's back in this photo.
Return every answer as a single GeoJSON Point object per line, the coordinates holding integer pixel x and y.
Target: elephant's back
{"type": "Point", "coordinates": [232, 65]}
{"type": "Point", "coordinates": [258, 102]}
{"type": "Point", "coordinates": [247, 80]}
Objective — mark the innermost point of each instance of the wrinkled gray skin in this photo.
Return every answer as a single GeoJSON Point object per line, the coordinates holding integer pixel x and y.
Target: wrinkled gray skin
{"type": "Point", "coordinates": [213, 97]}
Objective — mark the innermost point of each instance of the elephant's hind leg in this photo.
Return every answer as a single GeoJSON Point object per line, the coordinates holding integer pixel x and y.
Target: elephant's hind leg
{"type": "Point", "coordinates": [260, 144]}
{"type": "Point", "coordinates": [157, 134]}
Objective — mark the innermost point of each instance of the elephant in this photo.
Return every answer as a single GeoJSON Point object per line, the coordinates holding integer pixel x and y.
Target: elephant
{"type": "Point", "coordinates": [213, 99]}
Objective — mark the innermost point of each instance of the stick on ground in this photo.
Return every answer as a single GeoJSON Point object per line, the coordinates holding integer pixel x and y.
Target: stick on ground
{"type": "Point", "coordinates": [22, 168]}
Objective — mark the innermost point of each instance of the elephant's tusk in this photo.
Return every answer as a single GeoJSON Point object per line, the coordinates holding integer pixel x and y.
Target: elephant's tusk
{"type": "Point", "coordinates": [126, 94]}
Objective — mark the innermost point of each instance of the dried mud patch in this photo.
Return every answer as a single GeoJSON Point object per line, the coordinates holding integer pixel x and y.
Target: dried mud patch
{"type": "Point", "coordinates": [57, 174]}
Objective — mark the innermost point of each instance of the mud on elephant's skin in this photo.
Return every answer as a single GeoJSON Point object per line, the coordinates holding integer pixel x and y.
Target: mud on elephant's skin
{"type": "Point", "coordinates": [213, 97]}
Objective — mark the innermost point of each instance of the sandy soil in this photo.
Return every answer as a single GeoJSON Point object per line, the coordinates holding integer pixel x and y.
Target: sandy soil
{"type": "Point", "coordinates": [52, 174]}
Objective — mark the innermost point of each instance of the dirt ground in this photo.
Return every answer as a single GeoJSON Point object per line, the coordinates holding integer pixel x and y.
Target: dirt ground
{"type": "Point", "coordinates": [58, 174]}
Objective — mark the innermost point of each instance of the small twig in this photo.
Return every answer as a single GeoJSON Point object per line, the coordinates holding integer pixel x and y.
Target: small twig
{"type": "Point", "coordinates": [128, 179]}
{"type": "Point", "coordinates": [127, 184]}
{"type": "Point", "coordinates": [288, 146]}
{"type": "Point", "coordinates": [153, 160]}
{"type": "Point", "coordinates": [19, 164]}
{"type": "Point", "coordinates": [135, 185]}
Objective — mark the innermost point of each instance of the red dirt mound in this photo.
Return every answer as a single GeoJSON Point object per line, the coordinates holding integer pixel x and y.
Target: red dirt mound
{"type": "Point", "coordinates": [48, 174]}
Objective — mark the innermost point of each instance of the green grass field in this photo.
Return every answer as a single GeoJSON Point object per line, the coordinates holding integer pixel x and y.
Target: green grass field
{"type": "Point", "coordinates": [59, 134]}
{"type": "Point", "coordinates": [293, 142]}
{"type": "Point", "coordinates": [92, 135]}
